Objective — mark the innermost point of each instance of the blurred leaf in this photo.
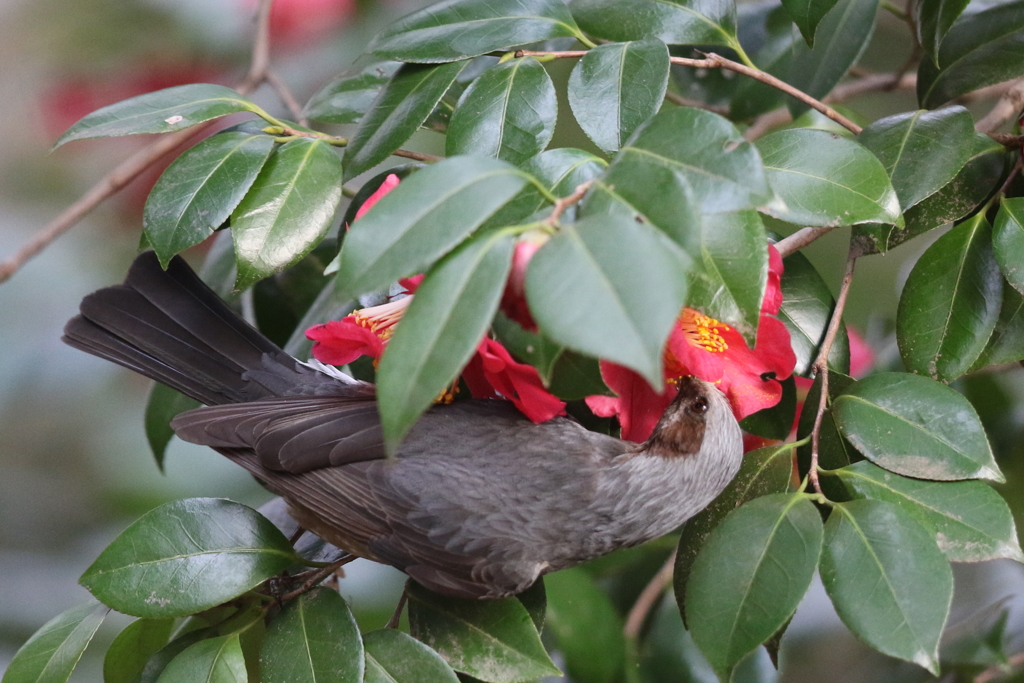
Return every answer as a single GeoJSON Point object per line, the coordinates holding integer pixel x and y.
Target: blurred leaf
{"type": "Point", "coordinates": [984, 49]}
{"type": "Point", "coordinates": [950, 303]}
{"type": "Point", "coordinates": [616, 87]}
{"type": "Point", "coordinates": [807, 14]}
{"type": "Point", "coordinates": [887, 579]}
{"type": "Point", "coordinates": [825, 179]}
{"type": "Point", "coordinates": [347, 99]}
{"type": "Point", "coordinates": [449, 315]}
{"type": "Point", "coordinates": [609, 288]}
{"type": "Point", "coordinates": [676, 22]}
{"type": "Point", "coordinates": [750, 576]}
{"type": "Point", "coordinates": [279, 301]}
{"type": "Point", "coordinates": [752, 97]}
{"type": "Point", "coordinates": [457, 29]}
{"type": "Point", "coordinates": [913, 426]}
{"type": "Point", "coordinates": [493, 640]}
{"type": "Point", "coordinates": [51, 654]}
{"type": "Point", "coordinates": [163, 111]}
{"type": "Point", "coordinates": [1006, 345]}
{"type": "Point", "coordinates": [668, 654]}
{"type": "Point", "coordinates": [586, 627]}
{"type": "Point", "coordinates": [214, 660]}
{"type": "Point", "coordinates": [162, 406]}
{"type": "Point", "coordinates": [509, 112]}
{"type": "Point", "coordinates": [1008, 240]}
{"type": "Point", "coordinates": [158, 662]}
{"type": "Point", "coordinates": [187, 556]}
{"type": "Point", "coordinates": [970, 521]}
{"type": "Point", "coordinates": [370, 187]}
{"type": "Point", "coordinates": [839, 41]}
{"type": "Point", "coordinates": [128, 654]}
{"type": "Point", "coordinates": [200, 189]}
{"type": "Point", "coordinates": [288, 209]}
{"type": "Point", "coordinates": [426, 216]}
{"type": "Point", "coordinates": [314, 638]}
{"type": "Point", "coordinates": [978, 639]}
{"type": "Point", "coordinates": [529, 347]}
{"type": "Point", "coordinates": [775, 422]}
{"type": "Point", "coordinates": [575, 376]}
{"type": "Point", "coordinates": [921, 151]}
{"type": "Point", "coordinates": [934, 18]}
{"type": "Point", "coordinates": [807, 306]}
{"type": "Point", "coordinates": [535, 600]}
{"type": "Point", "coordinates": [396, 657]}
{"type": "Point", "coordinates": [398, 111]}
{"type": "Point", "coordinates": [833, 450]}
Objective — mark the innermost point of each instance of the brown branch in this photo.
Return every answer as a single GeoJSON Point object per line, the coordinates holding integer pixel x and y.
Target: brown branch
{"type": "Point", "coordinates": [565, 202]}
{"type": "Point", "coordinates": [289, 101]}
{"type": "Point", "coordinates": [259, 63]}
{"type": "Point", "coordinates": [871, 83]}
{"type": "Point", "coordinates": [1000, 669]}
{"type": "Point", "coordinates": [315, 577]}
{"type": "Point", "coordinates": [648, 597]}
{"type": "Point", "coordinates": [800, 239]}
{"type": "Point", "coordinates": [418, 156]}
{"type": "Point", "coordinates": [396, 616]}
{"type": "Point", "coordinates": [762, 124]}
{"type": "Point", "coordinates": [686, 102]}
{"type": "Point", "coordinates": [1008, 106]}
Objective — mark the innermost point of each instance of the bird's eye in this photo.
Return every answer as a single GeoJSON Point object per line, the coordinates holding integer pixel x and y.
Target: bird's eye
{"type": "Point", "coordinates": [699, 405]}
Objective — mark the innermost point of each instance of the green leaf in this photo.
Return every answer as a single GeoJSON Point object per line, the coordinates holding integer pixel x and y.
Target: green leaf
{"type": "Point", "coordinates": [775, 422]}
{"type": "Point", "coordinates": [970, 521]}
{"type": "Point", "coordinates": [667, 652]}
{"type": "Point", "coordinates": [1006, 345]}
{"type": "Point", "coordinates": [750, 576]}
{"type": "Point", "coordinates": [586, 627]}
{"type": "Point", "coordinates": [825, 180]}
{"type": "Point", "coordinates": [214, 660]}
{"type": "Point", "coordinates": [508, 112]}
{"type": "Point", "coordinates": [764, 471]}
{"type": "Point", "coordinates": [752, 97]}
{"type": "Point", "coordinates": [934, 18]}
{"type": "Point", "coordinates": [839, 41]}
{"type": "Point", "coordinates": [162, 406]}
{"type": "Point", "coordinates": [127, 656]}
{"type": "Point", "coordinates": [197, 193]}
{"type": "Point", "coordinates": [1008, 241]}
{"type": "Point", "coordinates": [978, 639]}
{"type": "Point", "coordinates": [833, 450]}
{"type": "Point", "coordinates": [163, 111]}
{"type": "Point", "coordinates": [807, 306]}
{"type": "Point", "coordinates": [425, 217]}
{"type": "Point", "coordinates": [493, 640]}
{"type": "Point", "coordinates": [347, 99]}
{"type": "Point", "coordinates": [985, 48]}
{"type": "Point", "coordinates": [610, 288]}
{"type": "Point", "coordinates": [396, 657]}
{"type": "Point", "coordinates": [676, 22]}
{"type": "Point", "coordinates": [529, 347]}
{"type": "Point", "coordinates": [807, 14]}
{"type": "Point", "coordinates": [398, 111]}
{"type": "Point", "coordinates": [950, 303]}
{"type": "Point", "coordinates": [458, 29]}
{"type": "Point", "coordinates": [887, 579]}
{"type": "Point", "coordinates": [187, 556]}
{"type": "Point", "coordinates": [921, 151]}
{"type": "Point", "coordinates": [575, 376]}
{"type": "Point", "coordinates": [287, 211]}
{"type": "Point", "coordinates": [616, 87]}
{"type": "Point", "coordinates": [314, 638]}
{"type": "Point", "coordinates": [441, 330]}
{"type": "Point", "coordinates": [916, 427]}
{"type": "Point", "coordinates": [51, 654]}
{"type": "Point", "coordinates": [730, 276]}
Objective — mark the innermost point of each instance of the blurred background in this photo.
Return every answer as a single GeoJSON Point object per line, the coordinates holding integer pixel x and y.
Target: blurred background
{"type": "Point", "coordinates": [75, 467]}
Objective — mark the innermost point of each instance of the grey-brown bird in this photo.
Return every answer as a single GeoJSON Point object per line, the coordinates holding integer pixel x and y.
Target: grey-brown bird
{"type": "Point", "coordinates": [478, 501]}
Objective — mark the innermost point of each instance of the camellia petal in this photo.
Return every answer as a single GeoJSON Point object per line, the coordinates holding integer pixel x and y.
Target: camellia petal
{"type": "Point", "coordinates": [493, 372]}
{"type": "Point", "coordinates": [638, 406]}
{"type": "Point", "coordinates": [390, 183]}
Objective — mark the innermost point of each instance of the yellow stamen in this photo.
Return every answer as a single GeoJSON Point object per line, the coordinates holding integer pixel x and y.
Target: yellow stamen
{"type": "Point", "coordinates": [381, 320]}
{"type": "Point", "coordinates": [704, 331]}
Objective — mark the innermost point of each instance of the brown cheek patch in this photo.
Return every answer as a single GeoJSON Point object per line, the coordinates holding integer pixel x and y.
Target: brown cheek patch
{"type": "Point", "coordinates": [682, 435]}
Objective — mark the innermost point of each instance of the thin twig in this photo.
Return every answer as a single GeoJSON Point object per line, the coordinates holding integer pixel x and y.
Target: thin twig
{"type": "Point", "coordinates": [1008, 106]}
{"type": "Point", "coordinates": [317, 576]}
{"type": "Point", "coordinates": [870, 83]}
{"type": "Point", "coordinates": [289, 101]}
{"type": "Point", "coordinates": [686, 102]}
{"type": "Point", "coordinates": [1000, 669]}
{"type": "Point", "coordinates": [762, 124]}
{"type": "Point", "coordinates": [1013, 174]}
{"type": "Point", "coordinates": [564, 203]}
{"type": "Point", "coordinates": [648, 597]}
{"type": "Point", "coordinates": [800, 239]}
{"type": "Point", "coordinates": [396, 616]}
{"type": "Point", "coordinates": [418, 156]}
{"type": "Point", "coordinates": [260, 61]}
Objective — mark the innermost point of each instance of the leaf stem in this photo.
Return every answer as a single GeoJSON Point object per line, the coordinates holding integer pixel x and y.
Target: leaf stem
{"type": "Point", "coordinates": [648, 598]}
{"type": "Point", "coordinates": [317, 576]}
{"type": "Point", "coordinates": [563, 203]}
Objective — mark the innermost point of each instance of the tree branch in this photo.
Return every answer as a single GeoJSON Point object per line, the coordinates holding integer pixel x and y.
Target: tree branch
{"type": "Point", "coordinates": [800, 239]}
{"type": "Point", "coordinates": [289, 101]}
{"type": "Point", "coordinates": [1008, 106]}
{"type": "Point", "coordinates": [648, 597]}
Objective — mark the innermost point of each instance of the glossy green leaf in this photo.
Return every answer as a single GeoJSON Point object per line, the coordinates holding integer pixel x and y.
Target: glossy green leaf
{"type": "Point", "coordinates": [575, 376]}
{"type": "Point", "coordinates": [127, 656]}
{"type": "Point", "coordinates": [913, 426]}
{"type": "Point", "coordinates": [676, 22]}
{"type": "Point", "coordinates": [441, 329]}
{"type": "Point", "coordinates": [1008, 241]}
{"type": "Point", "coordinates": [458, 29]}
{"type": "Point", "coordinates": [586, 626]}
{"type": "Point", "coordinates": [287, 211]}
{"type": "Point", "coordinates": [424, 218]}
{"type": "Point", "coordinates": [314, 638]}
{"type": "Point", "coordinates": [806, 310]}
{"type": "Point", "coordinates": [934, 18]}
{"type": "Point", "coordinates": [921, 151]}
{"type": "Point", "coordinates": [1006, 345]}
{"type": "Point", "coordinates": [187, 556]}
{"type": "Point", "coordinates": [396, 657]}
{"type": "Point", "coordinates": [950, 303]}
{"type": "Point", "coordinates": [348, 98]}
{"type": "Point", "coordinates": [825, 179]}
{"type": "Point", "coordinates": [984, 48]}
{"type": "Point", "coordinates": [508, 112]}
{"type": "Point", "coordinates": [214, 660]}
{"type": "Point", "coordinates": [887, 579]}
{"type": "Point", "coordinates": [51, 654]}
{"type": "Point", "coordinates": [197, 193]}
{"type": "Point", "coordinates": [610, 288]}
{"type": "Point", "coordinates": [750, 576]}
{"type": "Point", "coordinates": [616, 87]}
{"type": "Point", "coordinates": [807, 14]}
{"type": "Point", "coordinates": [729, 278]}
{"type": "Point", "coordinates": [398, 111]}
{"type": "Point", "coordinates": [163, 111]}
{"type": "Point", "coordinates": [493, 640]}
{"type": "Point", "coordinates": [752, 97]}
{"type": "Point", "coordinates": [970, 521]}
{"type": "Point", "coordinates": [839, 41]}
{"type": "Point", "coordinates": [162, 406]}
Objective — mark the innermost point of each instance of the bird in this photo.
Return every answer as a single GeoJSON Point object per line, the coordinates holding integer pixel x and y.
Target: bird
{"type": "Point", "coordinates": [477, 502]}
